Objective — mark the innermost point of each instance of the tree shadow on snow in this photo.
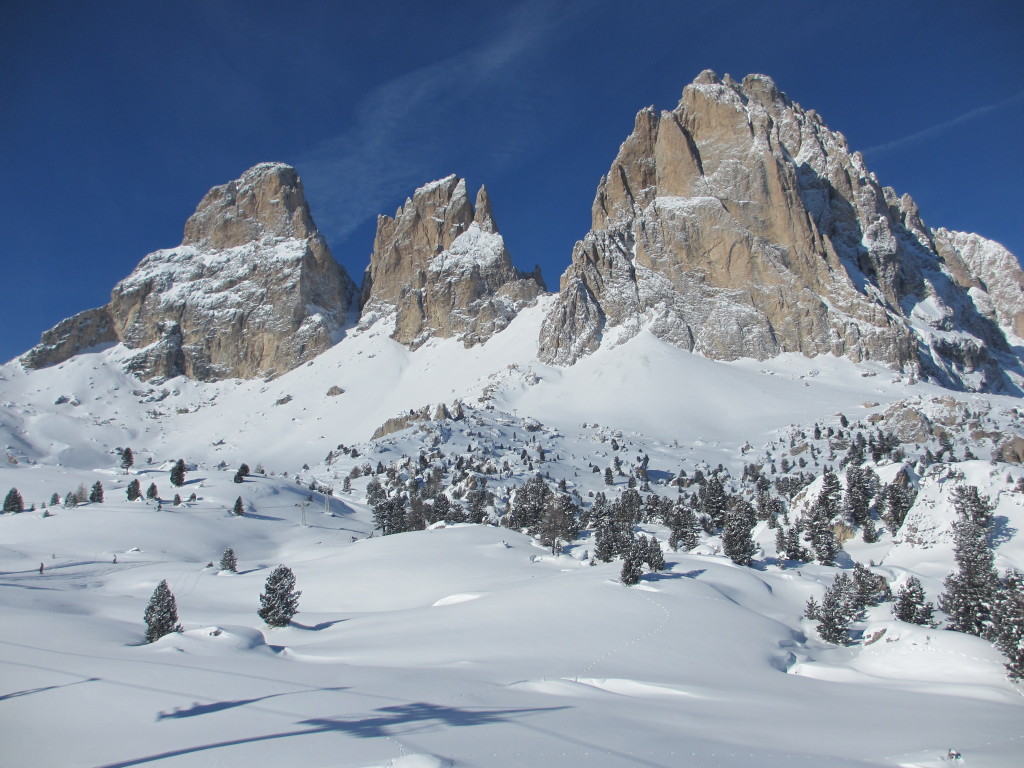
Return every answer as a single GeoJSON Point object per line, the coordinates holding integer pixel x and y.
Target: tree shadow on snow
{"type": "Point", "coordinates": [1001, 531]}
{"type": "Point", "coordinates": [30, 691]}
{"type": "Point", "coordinates": [198, 709]}
{"type": "Point", "coordinates": [382, 723]}
{"type": "Point", "coordinates": [317, 627]}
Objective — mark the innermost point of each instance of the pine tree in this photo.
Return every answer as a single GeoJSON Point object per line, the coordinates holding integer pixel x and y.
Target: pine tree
{"type": "Point", "coordinates": [161, 614]}
{"type": "Point", "coordinates": [971, 505]}
{"type": "Point", "coordinates": [609, 478]}
{"type": "Point", "coordinates": [857, 500]}
{"type": "Point", "coordinates": [713, 501]}
{"type": "Point", "coordinates": [970, 592]}
{"type": "Point", "coordinates": [869, 588]}
{"type": "Point", "coordinates": [1008, 613]}
{"type": "Point", "coordinates": [822, 516]}
{"type": "Point", "coordinates": [152, 492]}
{"type": "Point", "coordinates": [632, 566]}
{"type": "Point", "coordinates": [96, 493]}
{"type": "Point", "coordinates": [13, 501]}
{"type": "Point", "coordinates": [684, 527]}
{"type": "Point", "coordinates": [897, 500]}
{"type": "Point", "coordinates": [558, 522]}
{"type": "Point", "coordinates": [127, 459]}
{"type": "Point", "coordinates": [737, 534]}
{"type": "Point", "coordinates": [228, 561]}
{"type": "Point", "coordinates": [279, 601]}
{"type": "Point", "coordinates": [837, 610]}
{"type": "Point", "coordinates": [655, 557]}
{"type": "Point", "coordinates": [604, 540]}
{"type": "Point", "coordinates": [178, 473]}
{"type": "Point", "coordinates": [239, 508]}
{"type": "Point", "coordinates": [910, 605]}
{"type": "Point", "coordinates": [133, 490]}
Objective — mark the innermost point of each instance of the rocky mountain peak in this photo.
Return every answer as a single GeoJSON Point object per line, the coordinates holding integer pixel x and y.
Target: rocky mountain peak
{"type": "Point", "coordinates": [252, 291]}
{"type": "Point", "coordinates": [739, 225]}
{"type": "Point", "coordinates": [441, 267]}
{"type": "Point", "coordinates": [267, 201]}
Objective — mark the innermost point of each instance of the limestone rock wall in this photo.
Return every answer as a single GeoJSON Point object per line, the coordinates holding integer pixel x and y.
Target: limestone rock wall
{"type": "Point", "coordinates": [739, 225]}
{"type": "Point", "coordinates": [252, 291]}
{"type": "Point", "coordinates": [441, 266]}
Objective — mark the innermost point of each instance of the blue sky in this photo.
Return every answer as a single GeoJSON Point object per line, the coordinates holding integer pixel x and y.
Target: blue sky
{"type": "Point", "coordinates": [116, 117]}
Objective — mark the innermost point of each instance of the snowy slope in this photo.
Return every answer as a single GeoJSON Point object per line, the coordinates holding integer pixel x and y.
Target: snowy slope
{"type": "Point", "coordinates": [467, 645]}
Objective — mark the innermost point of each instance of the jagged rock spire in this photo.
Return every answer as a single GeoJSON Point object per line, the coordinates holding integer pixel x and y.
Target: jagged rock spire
{"type": "Point", "coordinates": [252, 291]}
{"type": "Point", "coordinates": [442, 268]}
{"type": "Point", "coordinates": [738, 225]}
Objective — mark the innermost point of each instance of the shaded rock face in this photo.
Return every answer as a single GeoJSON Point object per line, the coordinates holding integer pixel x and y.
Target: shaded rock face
{"type": "Point", "coordinates": [738, 225]}
{"type": "Point", "coordinates": [252, 291]}
{"type": "Point", "coordinates": [441, 267]}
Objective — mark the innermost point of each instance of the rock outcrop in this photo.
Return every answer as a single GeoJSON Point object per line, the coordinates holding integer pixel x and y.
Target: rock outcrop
{"type": "Point", "coordinates": [441, 267]}
{"type": "Point", "coordinates": [252, 291]}
{"type": "Point", "coordinates": [739, 225]}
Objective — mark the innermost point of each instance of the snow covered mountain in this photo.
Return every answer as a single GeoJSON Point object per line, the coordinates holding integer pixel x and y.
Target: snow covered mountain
{"type": "Point", "coordinates": [252, 291]}
{"type": "Point", "coordinates": [739, 225]}
{"type": "Point", "coordinates": [442, 269]}
{"type": "Point", "coordinates": [599, 550]}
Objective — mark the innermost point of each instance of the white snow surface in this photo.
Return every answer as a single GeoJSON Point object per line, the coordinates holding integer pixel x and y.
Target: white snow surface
{"type": "Point", "coordinates": [463, 645]}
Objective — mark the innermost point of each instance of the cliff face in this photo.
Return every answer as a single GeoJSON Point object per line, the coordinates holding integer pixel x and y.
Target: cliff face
{"type": "Point", "coordinates": [441, 267]}
{"type": "Point", "coordinates": [252, 291]}
{"type": "Point", "coordinates": [738, 225]}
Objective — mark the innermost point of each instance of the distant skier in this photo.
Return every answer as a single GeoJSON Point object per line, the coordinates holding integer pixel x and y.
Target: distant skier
{"type": "Point", "coordinates": [41, 567]}
{"type": "Point", "coordinates": [115, 559]}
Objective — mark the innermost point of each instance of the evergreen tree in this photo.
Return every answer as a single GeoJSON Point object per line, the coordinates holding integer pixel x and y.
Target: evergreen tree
{"type": "Point", "coordinates": [970, 592]}
{"type": "Point", "coordinates": [239, 477]}
{"type": "Point", "coordinates": [279, 601]}
{"type": "Point", "coordinates": [838, 608]}
{"type": "Point", "coordinates": [178, 473]}
{"type": "Point", "coordinates": [133, 490]}
{"type": "Point", "coordinates": [897, 501]}
{"type": "Point", "coordinates": [684, 527]}
{"type": "Point", "coordinates": [794, 550]}
{"type": "Point", "coordinates": [71, 499]}
{"type": "Point", "coordinates": [239, 508]}
{"type": "Point", "coordinates": [632, 565]}
{"type": "Point", "coordinates": [13, 501]}
{"type": "Point", "coordinates": [823, 512]}
{"type": "Point", "coordinates": [910, 605]}
{"type": "Point", "coordinates": [971, 505]}
{"type": "Point", "coordinates": [713, 501]}
{"type": "Point", "coordinates": [558, 522]}
{"type": "Point", "coordinates": [54, 499]}
{"type": "Point", "coordinates": [152, 492]}
{"type": "Point", "coordinates": [737, 534]}
{"type": "Point", "coordinates": [604, 541]}
{"type": "Point", "coordinates": [655, 557]}
{"type": "Point", "coordinates": [127, 459]}
{"type": "Point", "coordinates": [161, 614]}
{"type": "Point", "coordinates": [96, 493]}
{"type": "Point", "coordinates": [528, 505]}
{"type": "Point", "coordinates": [857, 501]}
{"type": "Point", "coordinates": [228, 561]}
{"type": "Point", "coordinates": [243, 469]}
{"type": "Point", "coordinates": [869, 588]}
{"type": "Point", "coordinates": [1008, 613]}
{"type": "Point", "coordinates": [629, 506]}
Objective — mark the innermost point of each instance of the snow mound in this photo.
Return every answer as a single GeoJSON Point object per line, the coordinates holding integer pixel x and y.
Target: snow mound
{"type": "Point", "coordinates": [453, 599]}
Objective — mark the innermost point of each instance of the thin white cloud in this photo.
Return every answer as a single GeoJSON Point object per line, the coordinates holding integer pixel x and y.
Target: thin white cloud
{"type": "Point", "coordinates": [401, 127]}
{"type": "Point", "coordinates": [939, 128]}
